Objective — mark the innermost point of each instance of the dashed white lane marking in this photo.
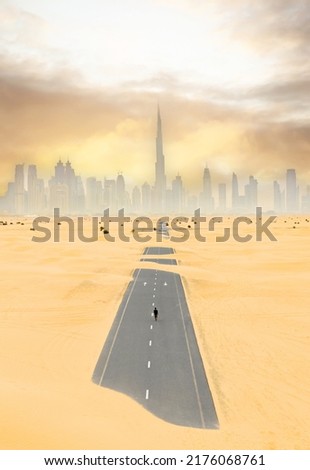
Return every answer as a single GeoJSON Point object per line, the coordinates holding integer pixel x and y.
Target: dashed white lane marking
{"type": "Point", "coordinates": [154, 288]}
{"type": "Point", "coordinates": [149, 364]}
{"type": "Point", "coordinates": [151, 327]}
{"type": "Point", "coordinates": [153, 296]}
{"type": "Point", "coordinates": [153, 304]}
{"type": "Point", "coordinates": [150, 342]}
{"type": "Point", "coordinates": [147, 394]}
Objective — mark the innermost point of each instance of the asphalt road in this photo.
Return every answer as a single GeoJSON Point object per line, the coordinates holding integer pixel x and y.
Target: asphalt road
{"type": "Point", "coordinates": [157, 363]}
{"type": "Point", "coordinates": [160, 260]}
{"type": "Point", "coordinates": [157, 250]}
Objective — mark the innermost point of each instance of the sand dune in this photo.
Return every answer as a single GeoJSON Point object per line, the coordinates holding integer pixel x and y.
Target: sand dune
{"type": "Point", "coordinates": [250, 309]}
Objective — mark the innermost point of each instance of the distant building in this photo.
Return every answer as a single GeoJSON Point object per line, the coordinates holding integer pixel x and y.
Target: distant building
{"type": "Point", "coordinates": [19, 188]}
{"type": "Point", "coordinates": [136, 199]}
{"type": "Point", "coordinates": [81, 198]}
{"type": "Point", "coordinates": [235, 198]}
{"type": "Point", "coordinates": [91, 195]}
{"type": "Point", "coordinates": [192, 203]}
{"type": "Point", "coordinates": [278, 198]}
{"type": "Point", "coordinates": [59, 197]}
{"type": "Point", "coordinates": [160, 175]}
{"type": "Point", "coordinates": [251, 195]}
{"type": "Point", "coordinates": [63, 189]}
{"type": "Point", "coordinates": [36, 192]}
{"type": "Point", "coordinates": [306, 201]}
{"type": "Point", "coordinates": [94, 196]}
{"type": "Point", "coordinates": [71, 182]}
{"type": "Point", "coordinates": [292, 192]}
{"type": "Point", "coordinates": [222, 197]}
{"type": "Point", "coordinates": [109, 195]}
{"type": "Point", "coordinates": [177, 194]}
{"type": "Point", "coordinates": [59, 173]}
{"type": "Point", "coordinates": [9, 199]}
{"type": "Point", "coordinates": [206, 198]}
{"type": "Point", "coordinates": [121, 192]}
{"type": "Point", "coordinates": [32, 189]}
{"type": "Point", "coordinates": [146, 198]}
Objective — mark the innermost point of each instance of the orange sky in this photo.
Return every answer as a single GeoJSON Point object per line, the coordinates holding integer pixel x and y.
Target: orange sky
{"type": "Point", "coordinates": [83, 83]}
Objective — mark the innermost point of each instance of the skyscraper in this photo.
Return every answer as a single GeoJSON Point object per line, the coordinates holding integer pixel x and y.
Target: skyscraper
{"type": "Point", "coordinates": [306, 200]}
{"type": "Point", "coordinates": [277, 197]}
{"type": "Point", "coordinates": [160, 176]}
{"type": "Point", "coordinates": [19, 190]}
{"type": "Point", "coordinates": [146, 197]}
{"type": "Point", "coordinates": [120, 191]}
{"type": "Point", "coordinates": [222, 197]}
{"type": "Point", "coordinates": [235, 198]}
{"type": "Point", "coordinates": [59, 197]}
{"type": "Point", "coordinates": [10, 198]}
{"type": "Point", "coordinates": [177, 194]}
{"type": "Point", "coordinates": [58, 190]}
{"type": "Point", "coordinates": [91, 195]}
{"type": "Point", "coordinates": [80, 194]}
{"type": "Point", "coordinates": [109, 195]}
{"type": "Point", "coordinates": [291, 191]}
{"type": "Point", "coordinates": [71, 182]}
{"type": "Point", "coordinates": [32, 189]}
{"type": "Point", "coordinates": [63, 188]}
{"type": "Point", "coordinates": [60, 172]}
{"type": "Point", "coordinates": [251, 194]}
{"type": "Point", "coordinates": [207, 201]}
{"type": "Point", "coordinates": [136, 199]}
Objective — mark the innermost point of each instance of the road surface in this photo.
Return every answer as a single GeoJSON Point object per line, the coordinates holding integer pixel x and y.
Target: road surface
{"type": "Point", "coordinates": [157, 363]}
{"type": "Point", "coordinates": [160, 260]}
{"type": "Point", "coordinates": [157, 250]}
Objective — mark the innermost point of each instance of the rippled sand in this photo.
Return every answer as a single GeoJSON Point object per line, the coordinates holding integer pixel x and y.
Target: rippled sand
{"type": "Point", "coordinates": [250, 307]}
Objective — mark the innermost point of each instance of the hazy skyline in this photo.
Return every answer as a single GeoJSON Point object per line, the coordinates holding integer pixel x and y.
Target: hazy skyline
{"type": "Point", "coordinates": [81, 80]}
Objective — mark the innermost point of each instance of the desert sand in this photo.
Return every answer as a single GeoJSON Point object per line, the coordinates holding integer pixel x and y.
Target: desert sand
{"type": "Point", "coordinates": [250, 307]}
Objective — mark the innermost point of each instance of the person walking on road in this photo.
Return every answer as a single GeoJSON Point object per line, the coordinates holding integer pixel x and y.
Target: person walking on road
{"type": "Point", "coordinates": [155, 313]}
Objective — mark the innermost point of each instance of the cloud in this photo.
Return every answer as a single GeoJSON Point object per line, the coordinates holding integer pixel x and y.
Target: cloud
{"type": "Point", "coordinates": [108, 130]}
{"type": "Point", "coordinates": [278, 28]}
{"type": "Point", "coordinates": [48, 109]}
{"type": "Point", "coordinates": [21, 27]}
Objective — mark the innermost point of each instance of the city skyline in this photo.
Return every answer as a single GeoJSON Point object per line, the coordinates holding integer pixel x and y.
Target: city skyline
{"type": "Point", "coordinates": [73, 194]}
{"type": "Point", "coordinates": [81, 80]}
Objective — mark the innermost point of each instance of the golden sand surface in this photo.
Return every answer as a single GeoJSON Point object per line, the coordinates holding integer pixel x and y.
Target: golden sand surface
{"type": "Point", "coordinates": [250, 307]}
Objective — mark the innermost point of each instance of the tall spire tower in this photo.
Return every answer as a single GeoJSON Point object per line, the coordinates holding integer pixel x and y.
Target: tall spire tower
{"type": "Point", "coordinates": [160, 177]}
